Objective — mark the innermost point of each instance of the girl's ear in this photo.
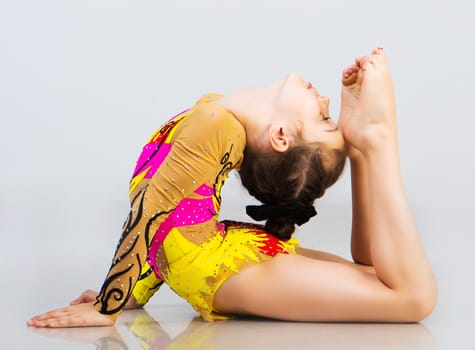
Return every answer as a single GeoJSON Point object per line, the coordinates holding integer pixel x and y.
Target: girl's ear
{"type": "Point", "coordinates": [278, 138]}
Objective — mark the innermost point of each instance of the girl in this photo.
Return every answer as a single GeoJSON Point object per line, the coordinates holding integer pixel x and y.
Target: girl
{"type": "Point", "coordinates": [288, 151]}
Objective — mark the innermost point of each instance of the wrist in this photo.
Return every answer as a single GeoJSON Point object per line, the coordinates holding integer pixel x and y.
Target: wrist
{"type": "Point", "coordinates": [132, 304]}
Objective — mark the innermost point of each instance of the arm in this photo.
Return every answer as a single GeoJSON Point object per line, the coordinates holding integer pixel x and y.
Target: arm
{"type": "Point", "coordinates": [89, 296]}
{"type": "Point", "coordinates": [192, 161]}
{"type": "Point", "coordinates": [198, 144]}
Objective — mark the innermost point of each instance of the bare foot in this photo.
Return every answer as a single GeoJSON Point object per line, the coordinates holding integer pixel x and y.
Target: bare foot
{"type": "Point", "coordinates": [350, 91]}
{"type": "Point", "coordinates": [80, 315]}
{"type": "Point", "coordinates": [351, 80]}
{"type": "Point", "coordinates": [367, 101]}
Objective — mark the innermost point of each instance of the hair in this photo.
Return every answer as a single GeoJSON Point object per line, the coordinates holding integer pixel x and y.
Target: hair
{"type": "Point", "coordinates": [294, 177]}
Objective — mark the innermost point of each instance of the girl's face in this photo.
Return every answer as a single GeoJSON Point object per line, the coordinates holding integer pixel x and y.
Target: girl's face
{"type": "Point", "coordinates": [306, 111]}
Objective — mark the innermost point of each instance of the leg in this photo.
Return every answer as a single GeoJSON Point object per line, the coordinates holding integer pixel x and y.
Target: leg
{"type": "Point", "coordinates": [361, 213]}
{"type": "Point", "coordinates": [324, 256]}
{"type": "Point", "coordinates": [403, 287]}
{"type": "Point", "coordinates": [298, 288]}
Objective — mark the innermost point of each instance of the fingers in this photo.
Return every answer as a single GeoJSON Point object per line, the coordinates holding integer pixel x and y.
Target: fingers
{"type": "Point", "coordinates": [86, 297]}
{"type": "Point", "coordinates": [65, 317]}
{"type": "Point", "coordinates": [48, 319]}
{"type": "Point", "coordinates": [78, 300]}
{"type": "Point", "coordinates": [71, 316]}
{"type": "Point", "coordinates": [59, 321]}
{"type": "Point", "coordinates": [82, 299]}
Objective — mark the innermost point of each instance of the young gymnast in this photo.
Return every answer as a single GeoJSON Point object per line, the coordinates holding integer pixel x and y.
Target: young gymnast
{"type": "Point", "coordinates": [288, 151]}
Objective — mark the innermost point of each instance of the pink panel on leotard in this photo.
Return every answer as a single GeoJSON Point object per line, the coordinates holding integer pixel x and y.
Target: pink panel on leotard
{"type": "Point", "coordinates": [205, 190]}
{"type": "Point", "coordinates": [188, 212]}
{"type": "Point", "coordinates": [153, 160]}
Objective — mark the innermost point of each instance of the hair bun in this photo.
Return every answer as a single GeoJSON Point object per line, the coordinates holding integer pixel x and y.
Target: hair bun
{"type": "Point", "coordinates": [300, 213]}
{"type": "Point", "coordinates": [281, 219]}
{"type": "Point", "coordinates": [281, 227]}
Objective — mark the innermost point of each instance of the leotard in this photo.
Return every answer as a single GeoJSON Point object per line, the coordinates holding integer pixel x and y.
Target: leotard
{"type": "Point", "coordinates": [173, 233]}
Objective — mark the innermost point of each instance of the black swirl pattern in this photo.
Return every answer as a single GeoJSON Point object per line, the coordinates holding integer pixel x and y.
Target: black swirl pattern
{"type": "Point", "coordinates": [226, 166]}
{"type": "Point", "coordinates": [127, 263]}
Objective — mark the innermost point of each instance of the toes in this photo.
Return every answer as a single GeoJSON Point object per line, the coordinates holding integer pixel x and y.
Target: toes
{"type": "Point", "coordinates": [378, 51]}
{"type": "Point", "coordinates": [347, 73]}
{"type": "Point", "coordinates": [360, 61]}
{"type": "Point", "coordinates": [350, 75]}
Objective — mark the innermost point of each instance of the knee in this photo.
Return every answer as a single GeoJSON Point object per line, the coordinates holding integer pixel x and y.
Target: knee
{"type": "Point", "coordinates": [420, 303]}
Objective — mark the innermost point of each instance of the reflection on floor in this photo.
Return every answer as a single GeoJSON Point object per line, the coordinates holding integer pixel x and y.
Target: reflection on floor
{"type": "Point", "coordinates": [139, 329]}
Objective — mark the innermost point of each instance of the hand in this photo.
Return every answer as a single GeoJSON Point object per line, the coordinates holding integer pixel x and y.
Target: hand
{"type": "Point", "coordinates": [80, 315]}
{"type": "Point", "coordinates": [368, 112]}
{"type": "Point", "coordinates": [89, 296]}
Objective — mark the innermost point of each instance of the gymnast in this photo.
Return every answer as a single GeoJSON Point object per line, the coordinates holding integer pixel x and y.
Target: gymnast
{"type": "Point", "coordinates": [288, 151]}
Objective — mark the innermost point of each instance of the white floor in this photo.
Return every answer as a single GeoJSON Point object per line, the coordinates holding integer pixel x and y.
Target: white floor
{"type": "Point", "coordinates": [175, 327]}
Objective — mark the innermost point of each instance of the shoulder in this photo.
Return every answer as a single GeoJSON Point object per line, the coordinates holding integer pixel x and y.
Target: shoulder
{"type": "Point", "coordinates": [211, 123]}
{"type": "Point", "coordinates": [213, 115]}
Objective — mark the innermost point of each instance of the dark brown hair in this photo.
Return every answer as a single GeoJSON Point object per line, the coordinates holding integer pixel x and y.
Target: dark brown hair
{"type": "Point", "coordinates": [294, 177]}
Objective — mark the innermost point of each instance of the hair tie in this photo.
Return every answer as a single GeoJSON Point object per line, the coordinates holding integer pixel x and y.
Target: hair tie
{"type": "Point", "coordinates": [301, 213]}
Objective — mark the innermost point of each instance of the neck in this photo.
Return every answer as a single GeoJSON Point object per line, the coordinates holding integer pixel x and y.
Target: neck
{"type": "Point", "coordinates": [253, 108]}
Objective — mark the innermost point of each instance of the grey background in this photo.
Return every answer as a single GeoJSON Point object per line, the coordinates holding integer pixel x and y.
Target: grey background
{"type": "Point", "coordinates": [84, 83]}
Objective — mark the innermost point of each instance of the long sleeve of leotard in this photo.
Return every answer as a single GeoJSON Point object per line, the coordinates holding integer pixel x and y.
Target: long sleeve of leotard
{"type": "Point", "coordinates": [195, 158]}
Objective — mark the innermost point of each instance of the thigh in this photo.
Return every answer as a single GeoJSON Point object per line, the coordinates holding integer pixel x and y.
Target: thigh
{"type": "Point", "coordinates": [295, 287]}
{"type": "Point", "coordinates": [324, 256]}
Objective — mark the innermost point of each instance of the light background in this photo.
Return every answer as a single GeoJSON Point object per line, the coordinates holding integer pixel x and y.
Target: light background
{"type": "Point", "coordinates": [84, 83]}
